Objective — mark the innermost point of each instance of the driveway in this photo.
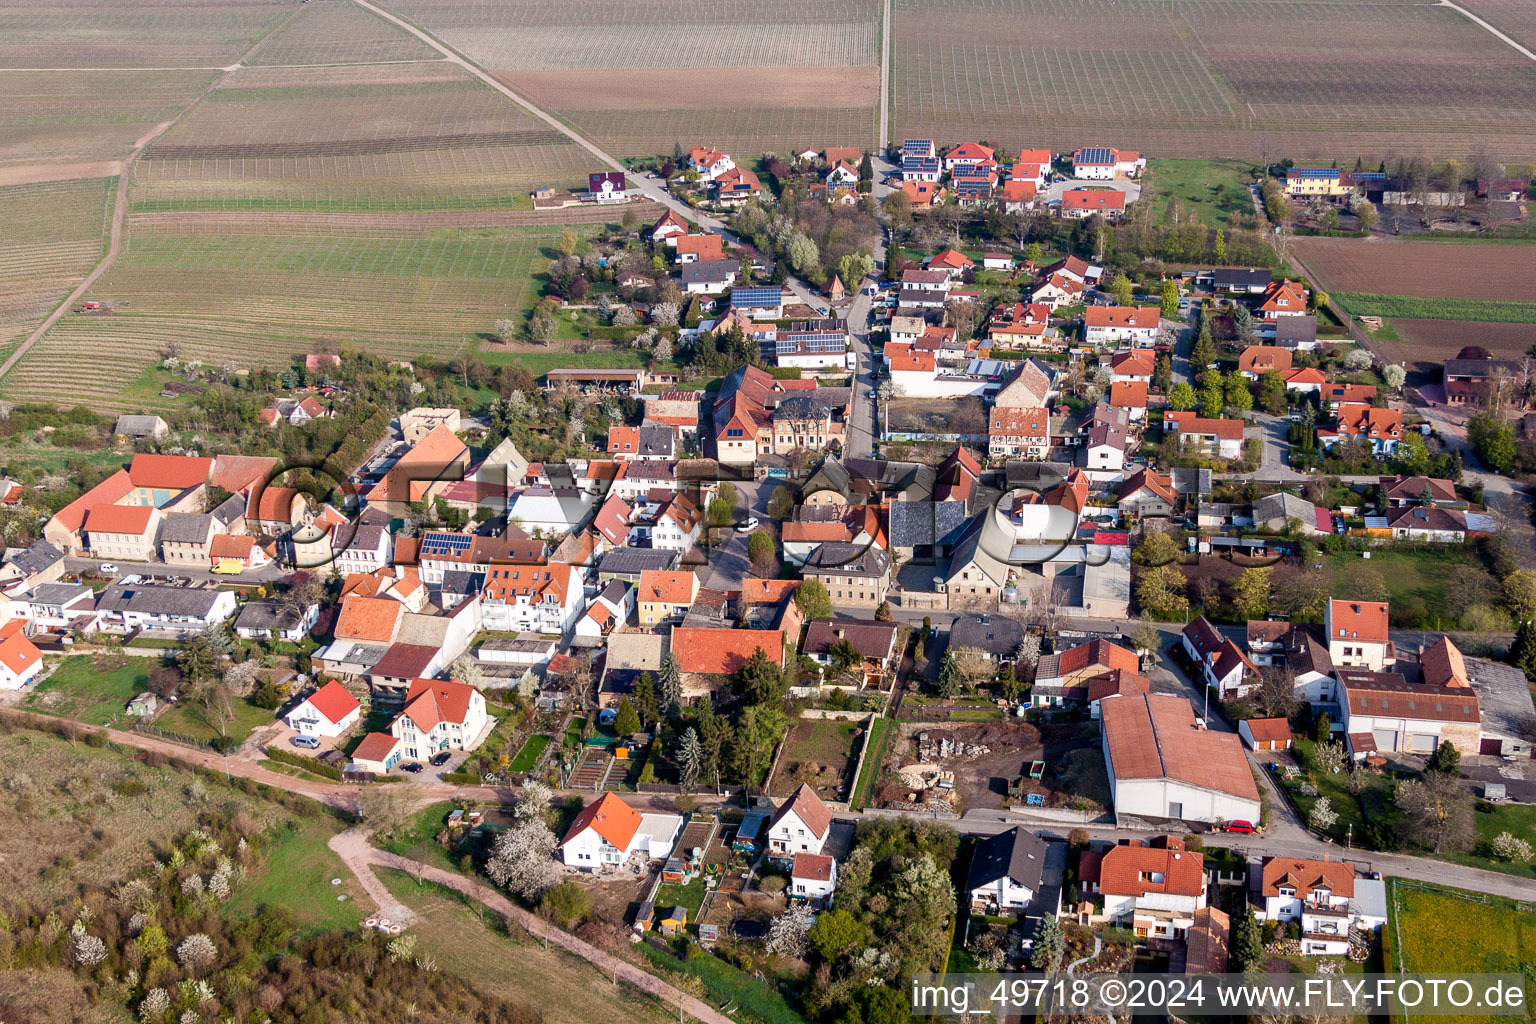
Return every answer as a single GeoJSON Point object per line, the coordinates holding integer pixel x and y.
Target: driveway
{"type": "Point", "coordinates": [729, 563]}
{"type": "Point", "coordinates": [1051, 194]}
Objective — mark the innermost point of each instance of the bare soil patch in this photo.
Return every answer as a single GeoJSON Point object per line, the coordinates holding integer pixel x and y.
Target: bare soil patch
{"type": "Point", "coordinates": [747, 88]}
{"type": "Point", "coordinates": [1428, 343]}
{"type": "Point", "coordinates": [31, 174]}
{"type": "Point", "coordinates": [981, 780]}
{"type": "Point", "coordinates": [1461, 270]}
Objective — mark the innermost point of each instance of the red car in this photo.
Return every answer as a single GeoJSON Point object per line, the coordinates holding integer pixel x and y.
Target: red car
{"type": "Point", "coordinates": [1245, 827]}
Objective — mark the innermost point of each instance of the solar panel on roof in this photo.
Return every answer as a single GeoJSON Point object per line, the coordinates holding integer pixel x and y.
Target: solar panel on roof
{"type": "Point", "coordinates": [1095, 155]}
{"type": "Point", "coordinates": [917, 146]}
{"type": "Point", "coordinates": [1314, 172]}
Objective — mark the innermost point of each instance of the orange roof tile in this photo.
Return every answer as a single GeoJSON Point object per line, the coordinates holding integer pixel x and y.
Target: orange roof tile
{"type": "Point", "coordinates": [1357, 620]}
{"type": "Point", "coordinates": [372, 619]}
{"type": "Point", "coordinates": [1128, 394]}
{"type": "Point", "coordinates": [808, 807]}
{"type": "Point", "coordinates": [19, 654]}
{"type": "Point", "coordinates": [660, 585]}
{"type": "Point", "coordinates": [1307, 875]}
{"type": "Point", "coordinates": [429, 701]}
{"type": "Point", "coordinates": [333, 701]}
{"type": "Point", "coordinates": [174, 472]}
{"type": "Point", "coordinates": [1138, 362]}
{"type": "Point", "coordinates": [609, 817]}
{"type": "Point", "coordinates": [1154, 736]}
{"type": "Point", "coordinates": [723, 651]}
{"type": "Point", "coordinates": [128, 519]}
{"type": "Point", "coordinates": [1122, 316]}
{"type": "Point", "coordinates": [376, 746]}
{"type": "Point", "coordinates": [1443, 664]}
{"type": "Point", "coordinates": [1260, 358]}
{"type": "Point", "coordinates": [110, 490]}
{"type": "Point", "coordinates": [229, 545]}
{"type": "Point", "coordinates": [1130, 870]}
{"type": "Point", "coordinates": [235, 473]}
{"type": "Point", "coordinates": [623, 440]}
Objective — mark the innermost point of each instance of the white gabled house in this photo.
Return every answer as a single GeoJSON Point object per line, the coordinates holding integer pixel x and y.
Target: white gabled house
{"type": "Point", "coordinates": [532, 598]}
{"type": "Point", "coordinates": [800, 825]}
{"type": "Point", "coordinates": [1005, 873]}
{"type": "Point", "coordinates": [329, 711]}
{"type": "Point", "coordinates": [440, 714]}
{"type": "Point", "coordinates": [608, 833]}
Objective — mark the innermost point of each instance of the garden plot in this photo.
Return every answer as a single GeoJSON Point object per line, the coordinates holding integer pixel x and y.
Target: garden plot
{"type": "Point", "coordinates": [820, 752]}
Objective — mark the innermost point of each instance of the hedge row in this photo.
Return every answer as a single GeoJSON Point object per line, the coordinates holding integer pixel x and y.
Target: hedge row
{"type": "Point", "coordinates": [309, 764]}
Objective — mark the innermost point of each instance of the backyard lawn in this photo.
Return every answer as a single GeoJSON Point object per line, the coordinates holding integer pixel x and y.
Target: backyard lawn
{"type": "Point", "coordinates": [879, 736]}
{"type": "Point", "coordinates": [1415, 580]}
{"type": "Point", "coordinates": [91, 688]}
{"type": "Point", "coordinates": [296, 872]}
{"type": "Point", "coordinates": [528, 755]}
{"type": "Point", "coordinates": [690, 896]}
{"type": "Point", "coordinates": [1445, 931]}
{"type": "Point", "coordinates": [188, 718]}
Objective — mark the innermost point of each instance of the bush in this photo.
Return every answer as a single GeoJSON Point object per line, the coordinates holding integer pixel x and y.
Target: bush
{"type": "Point", "coordinates": [309, 764]}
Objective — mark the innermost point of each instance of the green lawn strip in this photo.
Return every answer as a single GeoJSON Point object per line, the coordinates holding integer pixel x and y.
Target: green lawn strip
{"type": "Point", "coordinates": [540, 363]}
{"type": "Point", "coordinates": [529, 753]}
{"type": "Point", "coordinates": [1421, 308]}
{"type": "Point", "coordinates": [1415, 578]}
{"type": "Point", "coordinates": [296, 872]}
{"type": "Point", "coordinates": [724, 984]}
{"type": "Point", "coordinates": [1518, 820]}
{"type": "Point", "coordinates": [690, 896]}
{"type": "Point", "coordinates": [83, 689]}
{"type": "Point", "coordinates": [879, 736]}
{"type": "Point", "coordinates": [416, 838]}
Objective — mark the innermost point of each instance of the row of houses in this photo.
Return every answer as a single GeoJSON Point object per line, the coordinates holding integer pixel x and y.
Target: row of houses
{"type": "Point", "coordinates": [976, 177]}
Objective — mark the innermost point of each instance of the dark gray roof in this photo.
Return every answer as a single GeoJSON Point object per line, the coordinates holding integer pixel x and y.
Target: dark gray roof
{"type": "Point", "coordinates": [998, 635]}
{"type": "Point", "coordinates": [462, 581]}
{"type": "Point", "coordinates": [1017, 854]}
{"type": "Point", "coordinates": [58, 593]}
{"type": "Point", "coordinates": [1284, 505]}
{"type": "Point", "coordinates": [968, 550]}
{"type": "Point", "coordinates": [710, 271]}
{"type": "Point", "coordinates": [1479, 367]}
{"type": "Point", "coordinates": [1291, 330]}
{"type": "Point", "coordinates": [614, 592]}
{"type": "Point", "coordinates": [367, 537]}
{"type": "Point", "coordinates": [1043, 475]}
{"type": "Point", "coordinates": [656, 440]}
{"type": "Point", "coordinates": [40, 556]}
{"type": "Point", "coordinates": [156, 599]}
{"type": "Point", "coordinates": [848, 559]}
{"type": "Point", "coordinates": [802, 407]}
{"type": "Point", "coordinates": [1194, 481]}
{"type": "Point", "coordinates": [139, 426]}
{"type": "Point", "coordinates": [633, 561]}
{"type": "Point", "coordinates": [267, 615]}
{"type": "Point", "coordinates": [186, 528]}
{"type": "Point", "coordinates": [913, 481]}
{"type": "Point", "coordinates": [232, 508]}
{"type": "Point", "coordinates": [1232, 277]}
{"type": "Point", "coordinates": [925, 522]}
{"type": "Point", "coordinates": [831, 475]}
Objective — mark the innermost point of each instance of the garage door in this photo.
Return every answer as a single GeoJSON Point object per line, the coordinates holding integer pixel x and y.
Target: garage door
{"type": "Point", "coordinates": [1422, 743]}
{"type": "Point", "coordinates": [1491, 746]}
{"type": "Point", "coordinates": [1386, 739]}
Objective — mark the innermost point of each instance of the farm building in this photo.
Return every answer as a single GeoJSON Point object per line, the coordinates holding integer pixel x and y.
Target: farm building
{"type": "Point", "coordinates": [1162, 764]}
{"type": "Point", "coordinates": [1265, 733]}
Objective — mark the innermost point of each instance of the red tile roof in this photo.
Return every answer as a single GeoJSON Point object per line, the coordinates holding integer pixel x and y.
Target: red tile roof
{"type": "Point", "coordinates": [1357, 620]}
{"type": "Point", "coordinates": [816, 867]}
{"type": "Point", "coordinates": [333, 701]}
{"type": "Point", "coordinates": [623, 440]}
{"type": "Point", "coordinates": [1122, 316]}
{"type": "Point", "coordinates": [1284, 297]}
{"type": "Point", "coordinates": [230, 545]}
{"type": "Point", "coordinates": [1188, 422]}
{"type": "Point", "coordinates": [1130, 870]}
{"type": "Point", "coordinates": [1138, 362]}
{"type": "Point", "coordinates": [19, 654]}
{"type": "Point", "coordinates": [1364, 420]}
{"type": "Point", "coordinates": [667, 587]}
{"type": "Point", "coordinates": [129, 519]}
{"type": "Point", "coordinates": [1092, 199]}
{"type": "Point", "coordinates": [234, 473]}
{"type": "Point", "coordinates": [903, 356]}
{"type": "Point", "coordinates": [371, 619]}
{"type": "Point", "coordinates": [609, 817]}
{"type": "Point", "coordinates": [723, 651]}
{"type": "Point", "coordinates": [430, 701]}
{"type": "Point", "coordinates": [1270, 730]}
{"type": "Point", "coordinates": [1015, 422]}
{"type": "Point", "coordinates": [376, 746]}
{"type": "Point", "coordinates": [807, 806]}
{"type": "Point", "coordinates": [112, 489]}
{"type": "Point", "coordinates": [173, 472]}
{"type": "Point", "coordinates": [1306, 375]}
{"type": "Point", "coordinates": [1443, 664]}
{"type": "Point", "coordinates": [1261, 358]}
{"type": "Point", "coordinates": [1157, 483]}
{"type": "Point", "coordinates": [1307, 875]}
{"type": "Point", "coordinates": [1120, 682]}
{"type": "Point", "coordinates": [1098, 652]}
{"type": "Point", "coordinates": [705, 247]}
{"type": "Point", "coordinates": [1128, 394]}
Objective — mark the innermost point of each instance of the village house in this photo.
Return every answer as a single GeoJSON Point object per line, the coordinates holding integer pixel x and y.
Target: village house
{"type": "Point", "coordinates": [439, 715]}
{"type": "Point", "coordinates": [1019, 433]}
{"type": "Point", "coordinates": [855, 576]}
{"type": "Point", "coordinates": [1380, 429]}
{"type": "Point", "coordinates": [1106, 447]}
{"type": "Point", "coordinates": [1147, 493]}
{"type": "Point", "coordinates": [179, 610]}
{"type": "Point", "coordinates": [1283, 299]}
{"type": "Point", "coordinates": [1082, 203]}
{"type": "Point", "coordinates": [1257, 360]}
{"type": "Point", "coordinates": [326, 713]}
{"type": "Point", "coordinates": [1357, 634]}
{"type": "Point", "coordinates": [272, 619]}
{"type": "Point", "coordinates": [1428, 525]}
{"type": "Point", "coordinates": [665, 596]}
{"type": "Point", "coordinates": [1383, 712]}
{"type": "Point", "coordinates": [1135, 366]}
{"type": "Point", "coordinates": [185, 537]}
{"type": "Point", "coordinates": [1218, 437]}
{"type": "Point", "coordinates": [1007, 871]}
{"type": "Point", "coordinates": [1022, 326]}
{"type": "Point", "coordinates": [1467, 381]}
{"type": "Point", "coordinates": [801, 825]}
{"type": "Point", "coordinates": [1154, 887]}
{"type": "Point", "coordinates": [609, 834]}
{"type": "Point", "coordinates": [1103, 163]}
{"type": "Point", "coordinates": [378, 754]}
{"type": "Point", "coordinates": [1222, 663]}
{"type": "Point", "coordinates": [697, 248]}
{"type": "Point", "coordinates": [1134, 326]}
{"type": "Point", "coordinates": [534, 598]}
{"type": "Point", "coordinates": [1130, 395]}
{"type": "Point", "coordinates": [708, 162]}
{"type": "Point", "coordinates": [1066, 675]}
{"type": "Point", "coordinates": [874, 643]}
{"type": "Point", "coordinates": [813, 877]}
{"type": "Point", "coordinates": [1317, 895]}
{"type": "Point", "coordinates": [709, 277]}
{"type": "Point", "coordinates": [20, 660]}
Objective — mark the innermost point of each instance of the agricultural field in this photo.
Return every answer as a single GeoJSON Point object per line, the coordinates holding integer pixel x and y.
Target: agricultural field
{"type": "Point", "coordinates": [53, 237]}
{"type": "Point", "coordinates": [1183, 79]}
{"type": "Point", "coordinates": [1459, 270]}
{"type": "Point", "coordinates": [1428, 343]}
{"type": "Point", "coordinates": [804, 73]}
{"type": "Point", "coordinates": [261, 296]}
{"type": "Point", "coordinates": [1436, 930]}
{"type": "Point", "coordinates": [337, 32]}
{"type": "Point", "coordinates": [1515, 18]}
{"type": "Point", "coordinates": [154, 34]}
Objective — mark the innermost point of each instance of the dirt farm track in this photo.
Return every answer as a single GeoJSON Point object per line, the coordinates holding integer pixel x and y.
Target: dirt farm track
{"type": "Point", "coordinates": [1458, 270]}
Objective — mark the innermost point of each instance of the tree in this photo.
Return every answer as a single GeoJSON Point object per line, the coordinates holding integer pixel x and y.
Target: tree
{"type": "Point", "coordinates": [720, 513]}
{"type": "Point", "coordinates": [949, 675]}
{"type": "Point", "coordinates": [567, 904]}
{"type": "Point", "coordinates": [1156, 549]}
{"type": "Point", "coordinates": [1446, 760]}
{"type": "Point", "coordinates": [1162, 376]}
{"type": "Point", "coordinates": [1322, 816]}
{"type": "Point", "coordinates": [757, 731]}
{"type": "Point", "coordinates": [760, 546]}
{"type": "Point", "coordinates": [523, 861]}
{"type": "Point", "coordinates": [671, 685]}
{"type": "Point", "coordinates": [1253, 592]}
{"type": "Point", "coordinates": [1204, 352]}
{"type": "Point", "coordinates": [1161, 591]}
{"type": "Point", "coordinates": [1366, 212]}
{"type": "Point", "coordinates": [804, 256]}
{"type": "Point", "coordinates": [1212, 397]}
{"type": "Point", "coordinates": [505, 330]}
{"type": "Point", "coordinates": [1238, 395]}
{"type": "Point", "coordinates": [627, 721]}
{"type": "Point", "coordinates": [645, 696]}
{"type": "Point", "coordinates": [835, 933]}
{"type": "Point", "coordinates": [690, 756]}
{"type": "Point", "coordinates": [198, 660]}
{"type": "Point", "coordinates": [1437, 813]}
{"type": "Point", "coordinates": [1493, 440]}
{"type": "Point", "coordinates": [1049, 945]}
{"type": "Point", "coordinates": [215, 704]}
{"type": "Point", "coordinates": [812, 599]}
{"type": "Point", "coordinates": [1522, 654]}
{"type": "Point", "coordinates": [854, 267]}
{"type": "Point", "coordinates": [1519, 593]}
{"type": "Point", "coordinates": [1246, 954]}
{"type": "Point", "coordinates": [1170, 297]}
{"type": "Point", "coordinates": [1122, 290]}
{"type": "Point", "coordinates": [1506, 846]}
{"type": "Point", "coordinates": [897, 210]}
{"type": "Point", "coordinates": [787, 934]}
{"type": "Point", "coordinates": [1182, 397]}
{"type": "Point", "coordinates": [1146, 637]}
{"type": "Point", "coordinates": [1394, 375]}
{"type": "Point", "coordinates": [781, 503]}
{"type": "Point", "coordinates": [197, 953]}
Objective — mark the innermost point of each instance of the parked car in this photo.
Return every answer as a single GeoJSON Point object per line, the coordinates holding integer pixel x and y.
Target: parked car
{"type": "Point", "coordinates": [308, 742]}
{"type": "Point", "coordinates": [749, 525]}
{"type": "Point", "coordinates": [440, 758]}
{"type": "Point", "coordinates": [107, 569]}
{"type": "Point", "coordinates": [871, 393]}
{"type": "Point", "coordinates": [1244, 827]}
{"type": "Point", "coordinates": [411, 766]}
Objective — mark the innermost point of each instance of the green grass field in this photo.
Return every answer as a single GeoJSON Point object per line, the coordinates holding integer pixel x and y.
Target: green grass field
{"type": "Point", "coordinates": [91, 688]}
{"type": "Point", "coordinates": [187, 718]}
{"type": "Point", "coordinates": [1421, 308]}
{"type": "Point", "coordinates": [879, 737]}
{"type": "Point", "coordinates": [1415, 577]}
{"type": "Point", "coordinates": [296, 872]}
{"type": "Point", "coordinates": [528, 754]}
{"type": "Point", "coordinates": [1216, 189]}
{"type": "Point", "coordinates": [1440, 932]}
